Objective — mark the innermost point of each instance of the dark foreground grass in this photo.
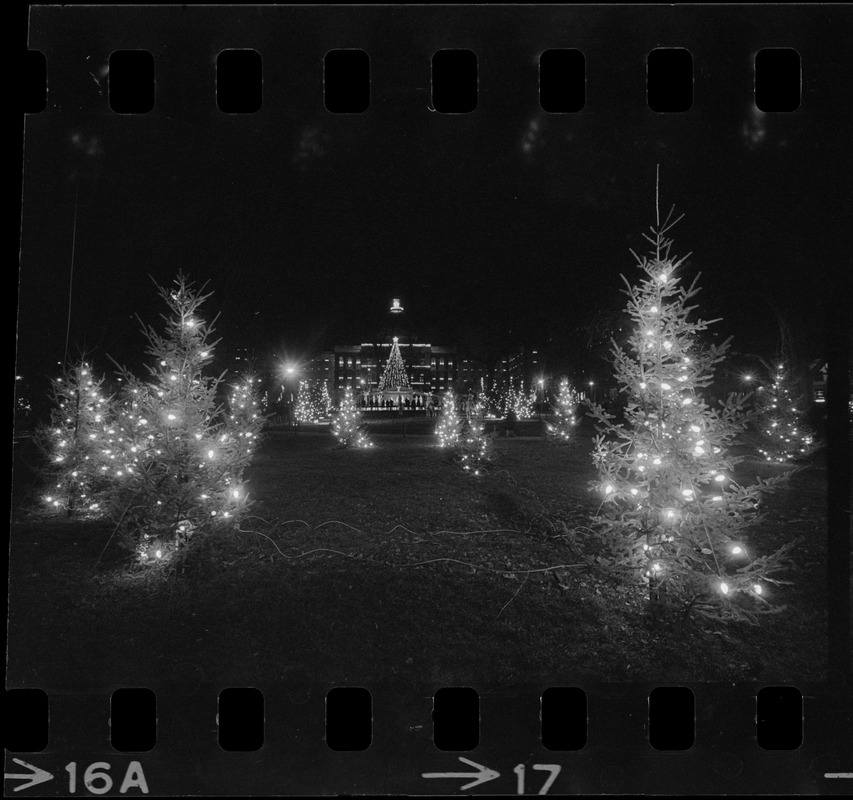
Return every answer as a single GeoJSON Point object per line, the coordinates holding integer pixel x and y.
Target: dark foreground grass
{"type": "Point", "coordinates": [391, 565]}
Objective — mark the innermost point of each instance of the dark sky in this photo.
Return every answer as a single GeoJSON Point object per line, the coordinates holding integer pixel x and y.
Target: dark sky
{"type": "Point", "coordinates": [508, 219]}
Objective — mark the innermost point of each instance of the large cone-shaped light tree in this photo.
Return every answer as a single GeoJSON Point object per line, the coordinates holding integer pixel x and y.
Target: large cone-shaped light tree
{"type": "Point", "coordinates": [672, 517]}
{"type": "Point", "coordinates": [76, 443]}
{"type": "Point", "coordinates": [394, 375]}
{"type": "Point", "coordinates": [183, 452]}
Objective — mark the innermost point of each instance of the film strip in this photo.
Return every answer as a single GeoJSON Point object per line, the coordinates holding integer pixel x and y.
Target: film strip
{"type": "Point", "coordinates": [326, 147]}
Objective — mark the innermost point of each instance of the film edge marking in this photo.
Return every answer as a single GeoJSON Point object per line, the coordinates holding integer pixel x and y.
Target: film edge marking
{"type": "Point", "coordinates": [32, 778]}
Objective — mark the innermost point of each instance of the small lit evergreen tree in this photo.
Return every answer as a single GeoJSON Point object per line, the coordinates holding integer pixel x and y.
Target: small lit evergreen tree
{"type": "Point", "coordinates": [347, 427]}
{"type": "Point", "coordinates": [474, 449]}
{"type": "Point", "coordinates": [672, 516]}
{"type": "Point", "coordinates": [449, 427]}
{"type": "Point", "coordinates": [394, 375]}
{"type": "Point", "coordinates": [325, 400]}
{"type": "Point", "coordinates": [302, 409]}
{"type": "Point", "coordinates": [780, 417]}
{"type": "Point", "coordinates": [525, 403]}
{"type": "Point", "coordinates": [76, 443]}
{"type": "Point", "coordinates": [561, 429]}
{"type": "Point", "coordinates": [310, 402]}
{"type": "Point", "coordinates": [244, 409]}
{"type": "Point", "coordinates": [509, 400]}
{"type": "Point", "coordinates": [183, 453]}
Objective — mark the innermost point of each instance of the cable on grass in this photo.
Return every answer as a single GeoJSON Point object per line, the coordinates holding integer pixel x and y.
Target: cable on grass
{"type": "Point", "coordinates": [411, 563]}
{"type": "Point", "coordinates": [386, 533]}
{"type": "Point", "coordinates": [513, 597]}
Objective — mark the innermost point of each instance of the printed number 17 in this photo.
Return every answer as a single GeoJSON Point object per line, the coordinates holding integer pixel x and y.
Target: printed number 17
{"type": "Point", "coordinates": [554, 769]}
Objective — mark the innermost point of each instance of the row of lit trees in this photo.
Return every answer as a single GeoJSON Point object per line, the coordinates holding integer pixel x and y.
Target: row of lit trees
{"type": "Point", "coordinates": [165, 456]}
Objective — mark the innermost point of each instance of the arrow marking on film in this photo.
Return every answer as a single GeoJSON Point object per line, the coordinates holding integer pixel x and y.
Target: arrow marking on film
{"type": "Point", "coordinates": [32, 778]}
{"type": "Point", "coordinates": [484, 774]}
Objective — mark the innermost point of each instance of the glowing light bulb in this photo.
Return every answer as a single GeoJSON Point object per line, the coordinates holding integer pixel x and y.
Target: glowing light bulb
{"type": "Point", "coordinates": [665, 386]}
{"type": "Point", "coordinates": [737, 550]}
{"type": "Point", "coordinates": [608, 489]}
{"type": "Point", "coordinates": [654, 309]}
{"type": "Point", "coordinates": [724, 588]}
{"type": "Point", "coordinates": [757, 588]}
{"type": "Point", "coordinates": [687, 492]}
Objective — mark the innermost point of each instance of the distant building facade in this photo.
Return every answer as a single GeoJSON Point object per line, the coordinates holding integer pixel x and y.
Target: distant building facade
{"type": "Point", "coordinates": [431, 369]}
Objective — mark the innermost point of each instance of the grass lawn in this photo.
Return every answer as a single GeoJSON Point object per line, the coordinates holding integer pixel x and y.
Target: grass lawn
{"type": "Point", "coordinates": [390, 564]}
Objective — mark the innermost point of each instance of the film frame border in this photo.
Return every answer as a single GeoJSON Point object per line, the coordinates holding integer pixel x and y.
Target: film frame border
{"type": "Point", "coordinates": [823, 698]}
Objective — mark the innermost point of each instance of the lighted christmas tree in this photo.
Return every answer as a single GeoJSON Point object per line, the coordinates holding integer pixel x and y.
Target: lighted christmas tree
{"type": "Point", "coordinates": [394, 375]}
{"type": "Point", "coordinates": [474, 449]}
{"type": "Point", "coordinates": [183, 454]}
{"type": "Point", "coordinates": [509, 400]}
{"type": "Point", "coordinates": [76, 443]}
{"type": "Point", "coordinates": [525, 403]}
{"type": "Point", "coordinates": [449, 427]}
{"type": "Point", "coordinates": [326, 404]}
{"type": "Point", "coordinates": [347, 427]}
{"type": "Point", "coordinates": [310, 402]}
{"type": "Point", "coordinates": [561, 429]}
{"type": "Point", "coordinates": [672, 517]}
{"type": "Point", "coordinates": [493, 397]}
{"type": "Point", "coordinates": [780, 417]}
{"type": "Point", "coordinates": [244, 409]}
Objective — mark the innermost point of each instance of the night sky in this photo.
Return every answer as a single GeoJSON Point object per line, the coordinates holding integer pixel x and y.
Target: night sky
{"type": "Point", "coordinates": [507, 222]}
